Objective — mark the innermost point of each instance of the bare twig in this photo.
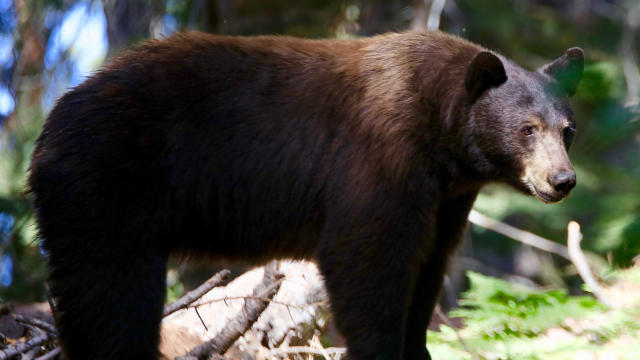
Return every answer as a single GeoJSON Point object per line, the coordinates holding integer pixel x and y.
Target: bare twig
{"type": "Point", "coordinates": [21, 347]}
{"type": "Point", "coordinates": [51, 354]}
{"type": "Point", "coordinates": [262, 298]}
{"type": "Point", "coordinates": [292, 350]}
{"type": "Point", "coordinates": [201, 321]}
{"type": "Point", "coordinates": [573, 253]}
{"type": "Point", "coordinates": [30, 354]}
{"type": "Point", "coordinates": [216, 280]}
{"type": "Point", "coordinates": [522, 236]}
{"type": "Point", "coordinates": [574, 237]}
{"type": "Point", "coordinates": [446, 320]}
{"type": "Point", "coordinates": [249, 314]}
{"type": "Point", "coordinates": [37, 323]}
{"type": "Point", "coordinates": [315, 342]}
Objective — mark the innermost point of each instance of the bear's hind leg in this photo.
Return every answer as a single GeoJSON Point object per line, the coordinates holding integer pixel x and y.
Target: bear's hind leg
{"type": "Point", "coordinates": [108, 305]}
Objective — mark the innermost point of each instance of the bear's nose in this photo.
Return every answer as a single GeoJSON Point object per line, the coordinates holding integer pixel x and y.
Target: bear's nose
{"type": "Point", "coordinates": [563, 181]}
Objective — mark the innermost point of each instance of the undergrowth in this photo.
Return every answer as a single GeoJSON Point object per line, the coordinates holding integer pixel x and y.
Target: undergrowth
{"type": "Point", "coordinates": [507, 321]}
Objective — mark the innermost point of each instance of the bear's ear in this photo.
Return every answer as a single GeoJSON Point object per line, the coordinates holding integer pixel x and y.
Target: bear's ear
{"type": "Point", "coordinates": [567, 70]}
{"type": "Point", "coordinates": [484, 72]}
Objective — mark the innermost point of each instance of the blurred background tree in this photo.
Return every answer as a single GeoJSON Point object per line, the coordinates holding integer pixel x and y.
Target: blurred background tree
{"type": "Point", "coordinates": [48, 46]}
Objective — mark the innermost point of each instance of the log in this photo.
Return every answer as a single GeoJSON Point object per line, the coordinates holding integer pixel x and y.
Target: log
{"type": "Point", "coordinates": [299, 309]}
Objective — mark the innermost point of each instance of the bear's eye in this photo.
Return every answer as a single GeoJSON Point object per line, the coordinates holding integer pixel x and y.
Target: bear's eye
{"type": "Point", "coordinates": [567, 135]}
{"type": "Point", "coordinates": [527, 130]}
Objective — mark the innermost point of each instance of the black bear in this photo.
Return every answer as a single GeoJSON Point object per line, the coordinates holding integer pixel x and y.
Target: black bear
{"type": "Point", "coordinates": [365, 155]}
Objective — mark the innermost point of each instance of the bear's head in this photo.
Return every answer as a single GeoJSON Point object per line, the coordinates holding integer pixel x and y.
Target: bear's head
{"type": "Point", "coordinates": [522, 123]}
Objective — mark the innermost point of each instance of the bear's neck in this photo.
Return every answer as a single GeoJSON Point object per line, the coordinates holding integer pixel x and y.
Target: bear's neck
{"type": "Point", "coordinates": [411, 104]}
{"type": "Point", "coordinates": [444, 106]}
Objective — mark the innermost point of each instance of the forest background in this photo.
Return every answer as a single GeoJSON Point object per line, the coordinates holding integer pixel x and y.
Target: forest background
{"type": "Point", "coordinates": [49, 46]}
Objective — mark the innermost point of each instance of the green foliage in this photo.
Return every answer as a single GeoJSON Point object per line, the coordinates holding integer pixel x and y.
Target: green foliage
{"type": "Point", "coordinates": [494, 308]}
{"type": "Point", "coordinates": [175, 287]}
{"type": "Point", "coordinates": [508, 321]}
{"type": "Point", "coordinates": [601, 81]}
{"type": "Point", "coordinates": [174, 292]}
{"type": "Point", "coordinates": [21, 246]}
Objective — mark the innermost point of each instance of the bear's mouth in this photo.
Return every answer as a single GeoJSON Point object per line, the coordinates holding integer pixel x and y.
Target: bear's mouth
{"type": "Point", "coordinates": [546, 197]}
{"type": "Point", "coordinates": [543, 196]}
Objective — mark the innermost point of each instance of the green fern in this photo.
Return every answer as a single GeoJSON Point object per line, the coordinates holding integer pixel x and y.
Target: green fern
{"type": "Point", "coordinates": [494, 308]}
{"type": "Point", "coordinates": [509, 321]}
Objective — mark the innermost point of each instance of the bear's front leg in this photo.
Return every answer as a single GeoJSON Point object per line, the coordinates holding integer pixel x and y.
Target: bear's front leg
{"type": "Point", "coordinates": [369, 271]}
{"type": "Point", "coordinates": [451, 222]}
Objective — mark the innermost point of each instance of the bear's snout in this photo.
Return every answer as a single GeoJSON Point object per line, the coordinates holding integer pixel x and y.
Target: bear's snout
{"type": "Point", "coordinates": [563, 181]}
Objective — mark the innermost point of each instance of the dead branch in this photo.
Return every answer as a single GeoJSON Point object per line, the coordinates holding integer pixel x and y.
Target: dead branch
{"type": "Point", "coordinates": [30, 354]}
{"type": "Point", "coordinates": [315, 342]}
{"type": "Point", "coordinates": [219, 279]}
{"type": "Point", "coordinates": [261, 298]}
{"type": "Point", "coordinates": [18, 348]}
{"type": "Point", "coordinates": [37, 323]}
{"type": "Point", "coordinates": [51, 354]}
{"type": "Point", "coordinates": [574, 237]}
{"type": "Point", "coordinates": [301, 309]}
{"type": "Point", "coordinates": [251, 311]}
{"type": "Point", "coordinates": [522, 236]}
{"type": "Point", "coordinates": [292, 350]}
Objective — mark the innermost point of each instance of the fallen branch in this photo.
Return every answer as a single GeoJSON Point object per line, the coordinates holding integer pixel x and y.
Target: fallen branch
{"type": "Point", "coordinates": [18, 348]}
{"type": "Point", "coordinates": [314, 342]}
{"type": "Point", "coordinates": [37, 323]}
{"type": "Point", "coordinates": [292, 350]}
{"type": "Point", "coordinates": [218, 279]}
{"type": "Point", "coordinates": [30, 354]}
{"type": "Point", "coordinates": [522, 236]}
{"type": "Point", "coordinates": [251, 311]}
{"type": "Point", "coordinates": [51, 354]}
{"type": "Point", "coordinates": [574, 237]}
{"type": "Point", "coordinates": [231, 298]}
{"type": "Point", "coordinates": [301, 309]}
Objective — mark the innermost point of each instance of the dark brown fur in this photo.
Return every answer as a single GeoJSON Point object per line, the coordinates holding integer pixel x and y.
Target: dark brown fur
{"type": "Point", "coordinates": [363, 155]}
